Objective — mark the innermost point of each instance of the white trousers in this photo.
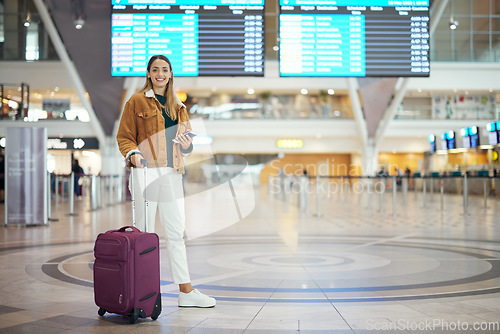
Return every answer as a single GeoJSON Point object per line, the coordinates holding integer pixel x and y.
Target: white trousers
{"type": "Point", "coordinates": [165, 194]}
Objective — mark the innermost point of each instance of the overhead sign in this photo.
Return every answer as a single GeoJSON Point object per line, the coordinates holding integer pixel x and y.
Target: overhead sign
{"type": "Point", "coordinates": [67, 143]}
{"type": "Point", "coordinates": [290, 143]}
{"type": "Point", "coordinates": [72, 144]}
{"type": "Point", "coordinates": [60, 105]}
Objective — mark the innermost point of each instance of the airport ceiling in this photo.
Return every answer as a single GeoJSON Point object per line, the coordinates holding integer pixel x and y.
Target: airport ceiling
{"type": "Point", "coordinates": [89, 48]}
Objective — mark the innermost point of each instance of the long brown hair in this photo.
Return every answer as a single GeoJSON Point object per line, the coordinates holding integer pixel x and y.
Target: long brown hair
{"type": "Point", "coordinates": [170, 96]}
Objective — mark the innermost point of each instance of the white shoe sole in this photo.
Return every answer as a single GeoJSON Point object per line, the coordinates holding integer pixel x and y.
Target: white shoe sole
{"type": "Point", "coordinates": [188, 306]}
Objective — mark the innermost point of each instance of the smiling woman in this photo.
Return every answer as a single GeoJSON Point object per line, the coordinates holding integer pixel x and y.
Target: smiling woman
{"type": "Point", "coordinates": [152, 119]}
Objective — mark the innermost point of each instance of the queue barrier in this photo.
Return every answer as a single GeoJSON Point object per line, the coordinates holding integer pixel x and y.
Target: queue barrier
{"type": "Point", "coordinates": [368, 187]}
{"type": "Point", "coordinates": [99, 190]}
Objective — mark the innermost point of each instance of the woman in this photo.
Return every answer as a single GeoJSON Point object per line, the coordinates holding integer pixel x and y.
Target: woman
{"type": "Point", "coordinates": [78, 171]}
{"type": "Point", "coordinates": [151, 120]}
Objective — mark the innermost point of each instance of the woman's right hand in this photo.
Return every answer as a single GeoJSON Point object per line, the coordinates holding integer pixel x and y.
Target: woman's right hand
{"type": "Point", "coordinates": [136, 160]}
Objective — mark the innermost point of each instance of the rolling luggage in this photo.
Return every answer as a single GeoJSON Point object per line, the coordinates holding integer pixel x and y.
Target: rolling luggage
{"type": "Point", "coordinates": [127, 271]}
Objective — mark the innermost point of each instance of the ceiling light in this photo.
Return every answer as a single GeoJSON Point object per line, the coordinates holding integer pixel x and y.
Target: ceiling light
{"type": "Point", "coordinates": [304, 91]}
{"type": "Point", "coordinates": [250, 91]}
{"type": "Point", "coordinates": [78, 8]}
{"type": "Point", "coordinates": [79, 23]}
{"type": "Point", "coordinates": [331, 91]}
{"type": "Point", "coordinates": [453, 24]}
{"type": "Point", "coordinates": [27, 21]}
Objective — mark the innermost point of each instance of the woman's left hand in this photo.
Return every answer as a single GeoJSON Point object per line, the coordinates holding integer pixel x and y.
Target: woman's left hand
{"type": "Point", "coordinates": [185, 141]}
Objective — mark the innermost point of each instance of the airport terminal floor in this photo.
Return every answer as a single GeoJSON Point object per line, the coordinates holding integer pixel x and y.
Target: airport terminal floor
{"type": "Point", "coordinates": [357, 267]}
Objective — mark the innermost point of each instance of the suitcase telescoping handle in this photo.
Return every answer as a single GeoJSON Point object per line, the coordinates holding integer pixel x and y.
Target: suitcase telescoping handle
{"type": "Point", "coordinates": [144, 162]}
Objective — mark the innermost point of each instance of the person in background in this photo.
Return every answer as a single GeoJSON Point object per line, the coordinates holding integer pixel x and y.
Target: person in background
{"type": "Point", "coordinates": [399, 175]}
{"type": "Point", "coordinates": [78, 171]}
{"type": "Point", "coordinates": [407, 172]}
{"type": "Point", "coordinates": [408, 177]}
{"type": "Point", "coordinates": [151, 120]}
{"type": "Point", "coordinates": [382, 172]}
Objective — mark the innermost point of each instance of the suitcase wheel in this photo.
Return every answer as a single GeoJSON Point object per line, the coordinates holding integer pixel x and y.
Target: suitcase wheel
{"type": "Point", "coordinates": [136, 314]}
{"type": "Point", "coordinates": [133, 316]}
{"type": "Point", "coordinates": [157, 308]}
{"type": "Point", "coordinates": [101, 311]}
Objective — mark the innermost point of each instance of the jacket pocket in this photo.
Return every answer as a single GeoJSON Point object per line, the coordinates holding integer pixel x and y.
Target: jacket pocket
{"type": "Point", "coordinates": [147, 115]}
{"type": "Point", "coordinates": [147, 123]}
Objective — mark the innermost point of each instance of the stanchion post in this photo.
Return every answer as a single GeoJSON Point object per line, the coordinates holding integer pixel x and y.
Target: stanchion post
{"type": "Point", "coordinates": [102, 190]}
{"type": "Point", "coordinates": [303, 195]}
{"type": "Point", "coordinates": [49, 198]}
{"type": "Point", "coordinates": [338, 187]}
{"type": "Point", "coordinates": [98, 192]}
{"type": "Point", "coordinates": [441, 189]}
{"type": "Point", "coordinates": [424, 189]}
{"type": "Point", "coordinates": [318, 211]}
{"type": "Point", "coordinates": [466, 193]}
{"type": "Point", "coordinates": [485, 193]}
{"type": "Point", "coordinates": [57, 190]}
{"type": "Point", "coordinates": [357, 189]}
{"type": "Point", "coordinates": [381, 196]}
{"type": "Point", "coordinates": [370, 189]}
{"type": "Point", "coordinates": [110, 189]}
{"type": "Point", "coordinates": [415, 190]}
{"type": "Point", "coordinates": [287, 185]}
{"type": "Point", "coordinates": [341, 186]}
{"type": "Point", "coordinates": [405, 188]}
{"type": "Point", "coordinates": [48, 194]}
{"type": "Point", "coordinates": [93, 192]}
{"type": "Point", "coordinates": [119, 193]}
{"type": "Point", "coordinates": [269, 185]}
{"type": "Point", "coordinates": [72, 194]}
{"type": "Point", "coordinates": [431, 180]}
{"type": "Point", "coordinates": [394, 195]}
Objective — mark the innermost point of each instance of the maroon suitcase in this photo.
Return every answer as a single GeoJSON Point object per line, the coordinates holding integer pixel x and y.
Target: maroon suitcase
{"type": "Point", "coordinates": [127, 273]}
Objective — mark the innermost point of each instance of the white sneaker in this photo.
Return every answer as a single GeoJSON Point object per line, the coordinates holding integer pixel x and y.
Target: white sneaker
{"type": "Point", "coordinates": [195, 299]}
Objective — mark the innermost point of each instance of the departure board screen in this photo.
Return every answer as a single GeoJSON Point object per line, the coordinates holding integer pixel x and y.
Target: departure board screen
{"type": "Point", "coordinates": [354, 38]}
{"type": "Point", "coordinates": [200, 38]}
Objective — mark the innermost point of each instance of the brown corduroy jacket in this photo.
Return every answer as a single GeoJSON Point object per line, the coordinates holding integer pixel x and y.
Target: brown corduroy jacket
{"type": "Point", "coordinates": [142, 129]}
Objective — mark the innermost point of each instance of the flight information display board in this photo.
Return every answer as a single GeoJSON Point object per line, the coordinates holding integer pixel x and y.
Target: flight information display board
{"type": "Point", "coordinates": [354, 38]}
{"type": "Point", "coordinates": [200, 38]}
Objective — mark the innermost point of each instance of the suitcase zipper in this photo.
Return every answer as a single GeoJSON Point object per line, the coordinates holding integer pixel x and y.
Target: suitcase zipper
{"type": "Point", "coordinates": [106, 268]}
{"type": "Point", "coordinates": [108, 243]}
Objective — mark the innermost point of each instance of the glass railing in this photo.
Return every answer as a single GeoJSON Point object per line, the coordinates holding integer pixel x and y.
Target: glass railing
{"type": "Point", "coordinates": [18, 103]}
{"type": "Point", "coordinates": [36, 112]}
{"type": "Point", "coordinates": [425, 112]}
{"type": "Point", "coordinates": [259, 110]}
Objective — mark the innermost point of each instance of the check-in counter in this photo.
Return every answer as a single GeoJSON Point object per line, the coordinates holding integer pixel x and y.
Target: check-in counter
{"type": "Point", "coordinates": [453, 182]}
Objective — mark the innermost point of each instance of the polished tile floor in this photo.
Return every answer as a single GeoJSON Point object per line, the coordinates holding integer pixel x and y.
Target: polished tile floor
{"type": "Point", "coordinates": [348, 265]}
